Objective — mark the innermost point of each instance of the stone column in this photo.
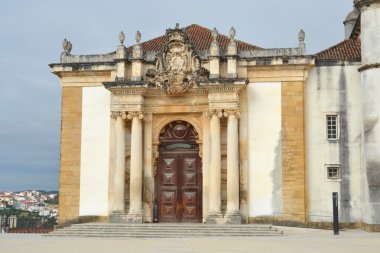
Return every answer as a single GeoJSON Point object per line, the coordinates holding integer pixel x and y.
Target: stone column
{"type": "Point", "coordinates": [215, 199]}
{"type": "Point", "coordinates": [232, 214]}
{"type": "Point", "coordinates": [135, 214]}
{"type": "Point", "coordinates": [118, 213]}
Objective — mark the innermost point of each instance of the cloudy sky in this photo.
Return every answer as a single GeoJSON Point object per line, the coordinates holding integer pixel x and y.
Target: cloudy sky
{"type": "Point", "coordinates": [31, 34]}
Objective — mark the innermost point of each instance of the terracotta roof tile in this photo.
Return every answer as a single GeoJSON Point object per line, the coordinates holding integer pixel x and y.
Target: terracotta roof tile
{"type": "Point", "coordinates": [199, 36]}
{"type": "Point", "coordinates": [345, 50]}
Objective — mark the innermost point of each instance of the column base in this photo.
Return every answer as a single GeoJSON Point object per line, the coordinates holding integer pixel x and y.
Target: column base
{"type": "Point", "coordinates": [214, 218]}
{"type": "Point", "coordinates": [232, 218]}
{"type": "Point", "coordinates": [135, 217]}
{"type": "Point", "coordinates": [117, 217]}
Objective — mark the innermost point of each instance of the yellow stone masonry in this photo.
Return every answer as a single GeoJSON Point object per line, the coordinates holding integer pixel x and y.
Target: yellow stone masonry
{"type": "Point", "coordinates": [69, 183]}
{"type": "Point", "coordinates": [293, 152]}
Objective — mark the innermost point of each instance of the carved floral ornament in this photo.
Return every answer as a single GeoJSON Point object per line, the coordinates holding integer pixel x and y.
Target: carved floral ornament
{"type": "Point", "coordinates": [127, 115]}
{"type": "Point", "coordinates": [178, 67]}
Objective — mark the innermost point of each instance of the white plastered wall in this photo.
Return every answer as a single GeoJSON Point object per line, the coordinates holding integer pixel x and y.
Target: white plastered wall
{"type": "Point", "coordinates": [333, 89]}
{"type": "Point", "coordinates": [264, 148]}
{"type": "Point", "coordinates": [94, 174]}
{"type": "Point", "coordinates": [370, 37]}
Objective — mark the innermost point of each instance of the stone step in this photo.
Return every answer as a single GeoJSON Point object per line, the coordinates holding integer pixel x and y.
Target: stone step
{"type": "Point", "coordinates": [108, 230]}
{"type": "Point", "coordinates": [158, 236]}
{"type": "Point", "coordinates": [158, 232]}
{"type": "Point", "coordinates": [168, 229]}
{"type": "Point", "coordinates": [184, 227]}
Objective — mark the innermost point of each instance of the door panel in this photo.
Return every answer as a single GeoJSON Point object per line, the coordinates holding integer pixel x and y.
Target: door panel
{"type": "Point", "coordinates": [179, 185]}
{"type": "Point", "coordinates": [190, 200]}
{"type": "Point", "coordinates": [168, 200]}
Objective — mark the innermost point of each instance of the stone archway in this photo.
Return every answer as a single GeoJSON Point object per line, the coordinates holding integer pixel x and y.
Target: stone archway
{"type": "Point", "coordinates": [178, 182]}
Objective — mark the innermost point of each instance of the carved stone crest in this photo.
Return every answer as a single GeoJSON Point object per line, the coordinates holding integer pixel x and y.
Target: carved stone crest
{"type": "Point", "coordinates": [178, 67]}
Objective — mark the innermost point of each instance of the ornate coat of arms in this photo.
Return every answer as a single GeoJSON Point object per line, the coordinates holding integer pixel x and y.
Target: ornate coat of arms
{"type": "Point", "coordinates": [178, 67]}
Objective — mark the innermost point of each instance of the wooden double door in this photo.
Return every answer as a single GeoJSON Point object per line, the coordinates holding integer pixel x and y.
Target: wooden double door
{"type": "Point", "coordinates": [179, 186]}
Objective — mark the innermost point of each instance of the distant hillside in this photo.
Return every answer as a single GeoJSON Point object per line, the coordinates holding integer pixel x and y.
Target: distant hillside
{"type": "Point", "coordinates": [41, 191]}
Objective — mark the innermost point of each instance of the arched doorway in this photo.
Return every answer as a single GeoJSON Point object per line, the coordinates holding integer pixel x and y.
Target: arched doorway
{"type": "Point", "coordinates": [179, 174]}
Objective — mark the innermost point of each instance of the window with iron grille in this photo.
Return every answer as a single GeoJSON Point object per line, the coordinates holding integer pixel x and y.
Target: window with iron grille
{"type": "Point", "coordinates": [332, 125]}
{"type": "Point", "coordinates": [333, 172]}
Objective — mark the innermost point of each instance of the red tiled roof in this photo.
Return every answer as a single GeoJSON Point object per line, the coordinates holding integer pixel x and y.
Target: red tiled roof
{"type": "Point", "coordinates": [345, 50]}
{"type": "Point", "coordinates": [199, 36]}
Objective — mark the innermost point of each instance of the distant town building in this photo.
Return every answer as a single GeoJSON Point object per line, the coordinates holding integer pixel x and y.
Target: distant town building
{"type": "Point", "coordinates": [32, 201]}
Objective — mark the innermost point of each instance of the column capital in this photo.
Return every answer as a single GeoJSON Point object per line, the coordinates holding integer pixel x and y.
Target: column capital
{"type": "Point", "coordinates": [230, 112]}
{"type": "Point", "coordinates": [117, 114]}
{"type": "Point", "coordinates": [217, 112]}
{"type": "Point", "coordinates": [139, 115]}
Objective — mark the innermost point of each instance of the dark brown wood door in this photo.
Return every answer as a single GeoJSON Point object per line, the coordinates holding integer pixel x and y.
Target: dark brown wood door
{"type": "Point", "coordinates": [179, 183]}
{"type": "Point", "coordinates": [179, 187]}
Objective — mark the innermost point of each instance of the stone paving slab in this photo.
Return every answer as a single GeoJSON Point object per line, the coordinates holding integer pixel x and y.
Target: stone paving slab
{"type": "Point", "coordinates": [298, 240]}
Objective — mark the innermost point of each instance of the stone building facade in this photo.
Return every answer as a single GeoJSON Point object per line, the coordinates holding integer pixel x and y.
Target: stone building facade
{"type": "Point", "coordinates": [195, 126]}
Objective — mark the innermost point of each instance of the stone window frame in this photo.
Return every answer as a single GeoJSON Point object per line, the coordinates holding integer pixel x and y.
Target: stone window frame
{"type": "Point", "coordinates": [337, 126]}
{"type": "Point", "coordinates": [329, 167]}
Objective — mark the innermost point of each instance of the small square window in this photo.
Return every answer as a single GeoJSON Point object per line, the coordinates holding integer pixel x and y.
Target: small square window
{"type": "Point", "coordinates": [333, 172]}
{"type": "Point", "coordinates": [332, 127]}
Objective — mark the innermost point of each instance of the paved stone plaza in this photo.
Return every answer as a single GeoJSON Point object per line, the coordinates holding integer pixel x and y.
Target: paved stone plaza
{"type": "Point", "coordinates": [297, 240]}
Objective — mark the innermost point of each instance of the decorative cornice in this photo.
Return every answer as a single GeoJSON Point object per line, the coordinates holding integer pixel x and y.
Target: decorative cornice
{"type": "Point", "coordinates": [369, 66]}
{"type": "Point", "coordinates": [211, 87]}
{"type": "Point", "coordinates": [141, 88]}
{"type": "Point", "coordinates": [225, 81]}
{"type": "Point", "coordinates": [158, 92]}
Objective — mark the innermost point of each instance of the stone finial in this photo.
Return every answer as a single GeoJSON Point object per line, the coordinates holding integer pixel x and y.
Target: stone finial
{"type": "Point", "coordinates": [176, 25]}
{"type": "Point", "coordinates": [138, 37]}
{"type": "Point", "coordinates": [214, 47]}
{"type": "Point", "coordinates": [301, 39]}
{"type": "Point", "coordinates": [214, 34]}
{"type": "Point", "coordinates": [232, 49]}
{"type": "Point", "coordinates": [232, 32]}
{"type": "Point", "coordinates": [121, 37]}
{"type": "Point", "coordinates": [70, 47]}
{"type": "Point", "coordinates": [67, 46]}
{"type": "Point", "coordinates": [137, 52]}
{"type": "Point", "coordinates": [301, 36]}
